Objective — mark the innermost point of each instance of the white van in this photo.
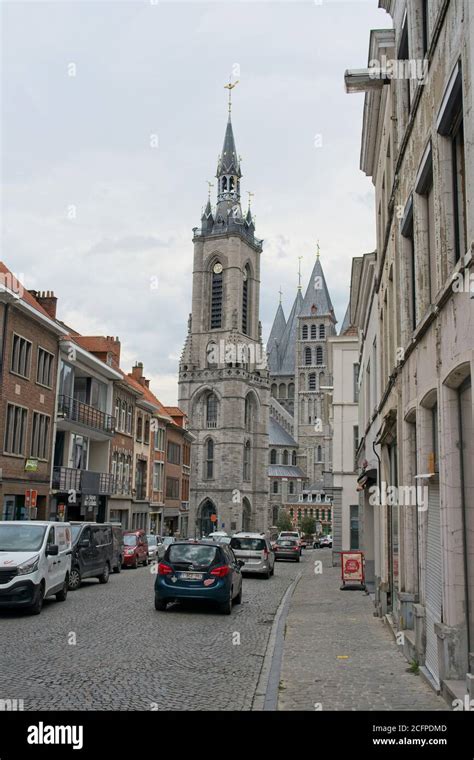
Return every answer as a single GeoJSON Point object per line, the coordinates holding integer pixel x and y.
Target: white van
{"type": "Point", "coordinates": [35, 562]}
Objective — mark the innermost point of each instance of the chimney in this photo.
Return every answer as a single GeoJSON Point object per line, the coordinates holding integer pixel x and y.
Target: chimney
{"type": "Point", "coordinates": [47, 300]}
{"type": "Point", "coordinates": [113, 347]}
{"type": "Point", "coordinates": [137, 373]}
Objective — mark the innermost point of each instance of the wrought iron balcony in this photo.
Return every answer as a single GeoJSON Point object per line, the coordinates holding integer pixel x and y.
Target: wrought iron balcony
{"type": "Point", "coordinates": [76, 411]}
{"type": "Point", "coordinates": [67, 479]}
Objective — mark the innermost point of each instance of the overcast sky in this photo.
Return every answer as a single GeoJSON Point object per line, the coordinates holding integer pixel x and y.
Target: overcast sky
{"type": "Point", "coordinates": [97, 213]}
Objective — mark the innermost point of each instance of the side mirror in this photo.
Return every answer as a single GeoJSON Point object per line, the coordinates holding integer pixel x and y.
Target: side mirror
{"type": "Point", "coordinates": [52, 550]}
{"type": "Point", "coordinates": [240, 562]}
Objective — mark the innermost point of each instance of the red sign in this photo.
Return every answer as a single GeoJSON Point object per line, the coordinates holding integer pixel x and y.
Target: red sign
{"type": "Point", "coordinates": [213, 518]}
{"type": "Point", "coordinates": [352, 567]}
{"type": "Point", "coordinates": [34, 497]}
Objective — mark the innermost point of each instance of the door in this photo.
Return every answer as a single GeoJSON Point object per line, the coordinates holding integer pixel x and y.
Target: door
{"type": "Point", "coordinates": [87, 553]}
{"type": "Point", "coordinates": [433, 582]}
{"type": "Point", "coordinates": [55, 574]}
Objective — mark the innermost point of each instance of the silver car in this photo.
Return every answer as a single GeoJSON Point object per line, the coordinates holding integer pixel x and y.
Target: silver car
{"type": "Point", "coordinates": [255, 551]}
{"type": "Point", "coordinates": [167, 540]}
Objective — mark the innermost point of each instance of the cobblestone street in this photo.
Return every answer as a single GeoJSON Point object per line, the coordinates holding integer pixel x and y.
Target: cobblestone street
{"type": "Point", "coordinates": [128, 656]}
{"type": "Point", "coordinates": [338, 655]}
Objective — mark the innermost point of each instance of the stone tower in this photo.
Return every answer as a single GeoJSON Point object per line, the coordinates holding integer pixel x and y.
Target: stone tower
{"type": "Point", "coordinates": [223, 378]}
{"type": "Point", "coordinates": [313, 377]}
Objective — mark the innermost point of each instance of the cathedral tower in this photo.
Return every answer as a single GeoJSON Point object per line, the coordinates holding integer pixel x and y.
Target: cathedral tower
{"type": "Point", "coordinates": [223, 380]}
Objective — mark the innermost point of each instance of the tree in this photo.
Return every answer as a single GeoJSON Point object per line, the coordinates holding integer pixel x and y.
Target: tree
{"type": "Point", "coordinates": [284, 521]}
{"type": "Point", "coordinates": [308, 526]}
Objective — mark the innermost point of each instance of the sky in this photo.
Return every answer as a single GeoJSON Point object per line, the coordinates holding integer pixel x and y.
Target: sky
{"type": "Point", "coordinates": [113, 115]}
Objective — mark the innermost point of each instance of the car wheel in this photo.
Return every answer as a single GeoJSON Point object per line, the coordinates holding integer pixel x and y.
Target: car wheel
{"type": "Point", "coordinates": [226, 607]}
{"type": "Point", "coordinates": [297, 559]}
{"type": "Point", "coordinates": [61, 595]}
{"type": "Point", "coordinates": [37, 605]}
{"type": "Point", "coordinates": [118, 566]}
{"type": "Point", "coordinates": [238, 598]}
{"type": "Point", "coordinates": [160, 604]}
{"type": "Point", "coordinates": [267, 575]}
{"type": "Point", "coordinates": [272, 571]}
{"type": "Point", "coordinates": [104, 578]}
{"type": "Point", "coordinates": [135, 563]}
{"type": "Point", "coordinates": [74, 579]}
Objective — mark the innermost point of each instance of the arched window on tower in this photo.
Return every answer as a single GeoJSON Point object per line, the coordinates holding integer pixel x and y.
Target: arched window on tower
{"type": "Point", "coordinates": [249, 416]}
{"type": "Point", "coordinates": [293, 458]}
{"type": "Point", "coordinates": [216, 296]}
{"type": "Point", "coordinates": [319, 355]}
{"type": "Point", "coordinates": [319, 454]}
{"type": "Point", "coordinates": [304, 332]}
{"type": "Point", "coordinates": [322, 331]}
{"type": "Point", "coordinates": [246, 301]}
{"type": "Point", "coordinates": [211, 410]}
{"type": "Point", "coordinates": [285, 457]}
{"type": "Point", "coordinates": [307, 356]}
{"type": "Point", "coordinates": [273, 456]}
{"type": "Point", "coordinates": [312, 382]}
{"type": "Point", "coordinates": [246, 472]}
{"type": "Point", "coordinates": [313, 332]}
{"type": "Point", "coordinates": [209, 462]}
{"type": "Point", "coordinates": [291, 390]}
{"type": "Point", "coordinates": [274, 390]}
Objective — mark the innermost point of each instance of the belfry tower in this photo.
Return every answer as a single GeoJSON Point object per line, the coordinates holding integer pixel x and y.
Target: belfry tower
{"type": "Point", "coordinates": [223, 378]}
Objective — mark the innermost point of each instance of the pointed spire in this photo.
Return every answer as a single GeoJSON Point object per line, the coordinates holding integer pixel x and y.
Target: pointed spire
{"type": "Point", "coordinates": [317, 294]}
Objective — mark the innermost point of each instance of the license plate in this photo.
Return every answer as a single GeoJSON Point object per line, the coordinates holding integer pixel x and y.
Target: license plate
{"type": "Point", "coordinates": [191, 576]}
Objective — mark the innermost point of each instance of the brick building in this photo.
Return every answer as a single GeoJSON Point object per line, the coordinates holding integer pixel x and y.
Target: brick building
{"type": "Point", "coordinates": [28, 375]}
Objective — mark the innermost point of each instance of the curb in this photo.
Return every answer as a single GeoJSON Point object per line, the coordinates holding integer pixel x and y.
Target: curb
{"type": "Point", "coordinates": [266, 693]}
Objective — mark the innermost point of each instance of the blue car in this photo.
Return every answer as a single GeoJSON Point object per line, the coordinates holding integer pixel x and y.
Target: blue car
{"type": "Point", "coordinates": [199, 570]}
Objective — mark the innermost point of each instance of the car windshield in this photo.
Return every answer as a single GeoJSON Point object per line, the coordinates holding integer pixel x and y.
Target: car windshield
{"type": "Point", "coordinates": [195, 554]}
{"type": "Point", "coordinates": [286, 542]}
{"type": "Point", "coordinates": [151, 540]}
{"type": "Point", "coordinates": [75, 530]}
{"type": "Point", "coordinates": [248, 544]}
{"type": "Point", "coordinates": [21, 538]}
{"type": "Point", "coordinates": [130, 540]}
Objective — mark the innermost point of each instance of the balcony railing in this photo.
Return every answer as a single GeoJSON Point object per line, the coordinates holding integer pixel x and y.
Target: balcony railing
{"type": "Point", "coordinates": [76, 411]}
{"type": "Point", "coordinates": [67, 479]}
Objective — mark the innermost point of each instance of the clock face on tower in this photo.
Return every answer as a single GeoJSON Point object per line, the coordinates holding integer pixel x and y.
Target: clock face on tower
{"type": "Point", "coordinates": [217, 268]}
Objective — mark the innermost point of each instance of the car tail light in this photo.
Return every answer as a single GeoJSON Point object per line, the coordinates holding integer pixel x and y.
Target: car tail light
{"type": "Point", "coordinates": [164, 569]}
{"type": "Point", "coordinates": [265, 554]}
{"type": "Point", "coordinates": [296, 548]}
{"type": "Point", "coordinates": [221, 571]}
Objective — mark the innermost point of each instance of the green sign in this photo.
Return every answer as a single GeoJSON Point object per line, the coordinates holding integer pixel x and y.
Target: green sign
{"type": "Point", "coordinates": [31, 465]}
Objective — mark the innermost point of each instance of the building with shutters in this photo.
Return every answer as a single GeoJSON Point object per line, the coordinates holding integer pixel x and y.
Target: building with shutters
{"type": "Point", "coordinates": [415, 314]}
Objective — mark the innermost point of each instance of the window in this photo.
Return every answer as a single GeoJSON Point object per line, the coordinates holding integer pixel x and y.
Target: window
{"type": "Point", "coordinates": [307, 356]}
{"type": "Point", "coordinates": [355, 382]}
{"type": "Point", "coordinates": [174, 453]}
{"type": "Point", "coordinates": [451, 125]}
{"type": "Point", "coordinates": [158, 476]}
{"type": "Point", "coordinates": [313, 332]}
{"type": "Point", "coordinates": [159, 439]}
{"type": "Point", "coordinates": [147, 430]}
{"type": "Point", "coordinates": [319, 454]}
{"type": "Point", "coordinates": [425, 29]}
{"type": "Point", "coordinates": [304, 332]}
{"type": "Point", "coordinates": [409, 256]}
{"type": "Point", "coordinates": [129, 419]}
{"type": "Point", "coordinates": [426, 222]}
{"type": "Point", "coordinates": [355, 444]}
{"type": "Point", "coordinates": [172, 488]}
{"type": "Point", "coordinates": [245, 301]}
{"type": "Point", "coordinates": [354, 526]}
{"type": "Point", "coordinates": [40, 436]}
{"type": "Point", "coordinates": [117, 412]}
{"type": "Point", "coordinates": [273, 456]}
{"type": "Point", "coordinates": [15, 429]}
{"type": "Point", "coordinates": [319, 355]}
{"type": "Point", "coordinates": [275, 486]}
{"type": "Point", "coordinates": [211, 410]}
{"type": "Point", "coordinates": [322, 332]}
{"type": "Point", "coordinates": [216, 299]}
{"type": "Point", "coordinates": [291, 390]}
{"type": "Point", "coordinates": [285, 457]}
{"type": "Point", "coordinates": [139, 427]}
{"type": "Point", "coordinates": [293, 458]}
{"type": "Point", "coordinates": [123, 416]}
{"type": "Point", "coordinates": [291, 487]}
{"type": "Point", "coordinates": [248, 413]}
{"type": "Point", "coordinates": [44, 370]}
{"type": "Point", "coordinates": [21, 355]}
{"type": "Point", "coordinates": [209, 463]}
{"type": "Point", "coordinates": [403, 55]}
{"type": "Point", "coordinates": [246, 472]}
{"type": "Point", "coordinates": [312, 381]}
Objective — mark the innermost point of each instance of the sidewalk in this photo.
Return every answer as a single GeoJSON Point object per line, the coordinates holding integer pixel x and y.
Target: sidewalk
{"type": "Point", "coordinates": [325, 623]}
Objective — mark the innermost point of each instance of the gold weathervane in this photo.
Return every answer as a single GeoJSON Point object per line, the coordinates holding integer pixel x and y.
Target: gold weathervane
{"type": "Point", "coordinates": [230, 87]}
{"type": "Point", "coordinates": [318, 252]}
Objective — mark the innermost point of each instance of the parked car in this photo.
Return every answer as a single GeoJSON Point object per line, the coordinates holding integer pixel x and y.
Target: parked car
{"type": "Point", "coordinates": [217, 534]}
{"type": "Point", "coordinates": [135, 548]}
{"type": "Point", "coordinates": [287, 548]}
{"type": "Point", "coordinates": [35, 562]}
{"type": "Point", "coordinates": [167, 540]}
{"type": "Point", "coordinates": [200, 570]}
{"type": "Point", "coordinates": [325, 541]}
{"type": "Point", "coordinates": [292, 534]}
{"type": "Point", "coordinates": [152, 547]}
{"type": "Point", "coordinates": [256, 551]}
{"type": "Point", "coordinates": [92, 552]}
{"type": "Point", "coordinates": [117, 560]}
